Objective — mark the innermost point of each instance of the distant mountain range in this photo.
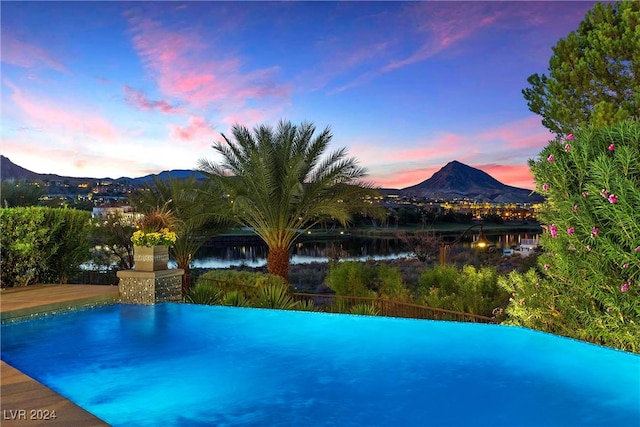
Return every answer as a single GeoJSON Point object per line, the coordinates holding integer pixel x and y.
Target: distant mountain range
{"type": "Point", "coordinates": [9, 170]}
{"type": "Point", "coordinates": [454, 181]}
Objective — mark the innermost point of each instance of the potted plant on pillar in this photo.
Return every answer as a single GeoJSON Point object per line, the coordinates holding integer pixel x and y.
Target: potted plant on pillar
{"type": "Point", "coordinates": [152, 240]}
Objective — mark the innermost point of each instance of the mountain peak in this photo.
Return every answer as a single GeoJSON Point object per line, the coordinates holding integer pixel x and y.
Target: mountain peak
{"type": "Point", "coordinates": [457, 180]}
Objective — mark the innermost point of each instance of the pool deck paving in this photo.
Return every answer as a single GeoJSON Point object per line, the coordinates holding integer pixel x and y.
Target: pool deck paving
{"type": "Point", "coordinates": [23, 400]}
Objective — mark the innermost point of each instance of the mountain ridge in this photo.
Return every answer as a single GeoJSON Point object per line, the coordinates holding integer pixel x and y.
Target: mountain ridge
{"type": "Point", "coordinates": [10, 170]}
{"type": "Point", "coordinates": [454, 180]}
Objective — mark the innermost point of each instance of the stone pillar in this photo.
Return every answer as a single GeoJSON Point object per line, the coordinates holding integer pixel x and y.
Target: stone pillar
{"type": "Point", "coordinates": [150, 287]}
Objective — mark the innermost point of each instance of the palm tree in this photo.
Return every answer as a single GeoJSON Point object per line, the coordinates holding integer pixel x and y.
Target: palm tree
{"type": "Point", "coordinates": [196, 209]}
{"type": "Point", "coordinates": [279, 183]}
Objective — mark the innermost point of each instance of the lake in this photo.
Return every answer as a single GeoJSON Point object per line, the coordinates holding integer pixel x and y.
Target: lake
{"type": "Point", "coordinates": [251, 252]}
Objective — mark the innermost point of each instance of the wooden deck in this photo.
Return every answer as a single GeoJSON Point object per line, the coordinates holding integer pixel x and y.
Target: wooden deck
{"type": "Point", "coordinates": [23, 400]}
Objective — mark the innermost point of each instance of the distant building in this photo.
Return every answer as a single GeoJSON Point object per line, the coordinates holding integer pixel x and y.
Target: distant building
{"type": "Point", "coordinates": [528, 246]}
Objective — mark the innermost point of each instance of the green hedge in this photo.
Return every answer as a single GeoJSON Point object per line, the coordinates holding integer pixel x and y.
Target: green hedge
{"type": "Point", "coordinates": [45, 245]}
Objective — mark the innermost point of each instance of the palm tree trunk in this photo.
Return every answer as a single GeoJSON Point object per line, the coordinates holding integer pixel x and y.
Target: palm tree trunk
{"type": "Point", "coordinates": [278, 262]}
{"type": "Point", "coordinates": [186, 277]}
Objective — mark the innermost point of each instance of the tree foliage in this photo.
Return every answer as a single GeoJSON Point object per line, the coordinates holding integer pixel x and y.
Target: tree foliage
{"type": "Point", "coordinates": [594, 73]}
{"type": "Point", "coordinates": [42, 244]}
{"type": "Point", "coordinates": [20, 193]}
{"type": "Point", "coordinates": [590, 274]}
{"type": "Point", "coordinates": [112, 238]}
{"type": "Point", "coordinates": [281, 183]}
{"type": "Point", "coordinates": [468, 290]}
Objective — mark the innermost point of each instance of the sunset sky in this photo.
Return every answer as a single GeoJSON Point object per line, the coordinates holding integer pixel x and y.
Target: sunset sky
{"type": "Point", "coordinates": [110, 89]}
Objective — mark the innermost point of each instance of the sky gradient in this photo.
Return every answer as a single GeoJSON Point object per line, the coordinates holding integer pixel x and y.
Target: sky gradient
{"type": "Point", "coordinates": [106, 89]}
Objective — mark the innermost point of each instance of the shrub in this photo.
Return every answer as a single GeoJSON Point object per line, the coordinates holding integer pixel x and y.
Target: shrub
{"type": "Point", "coordinates": [204, 293]}
{"type": "Point", "coordinates": [364, 309]}
{"type": "Point", "coordinates": [390, 284]}
{"type": "Point", "coordinates": [245, 289]}
{"type": "Point", "coordinates": [42, 244]}
{"type": "Point", "coordinates": [306, 305]}
{"type": "Point", "coordinates": [274, 296]}
{"type": "Point", "coordinates": [469, 290]}
{"type": "Point", "coordinates": [591, 267]}
{"type": "Point", "coordinates": [232, 278]}
{"type": "Point", "coordinates": [69, 243]}
{"type": "Point", "coordinates": [533, 302]}
{"type": "Point", "coordinates": [235, 299]}
{"type": "Point", "coordinates": [351, 278]}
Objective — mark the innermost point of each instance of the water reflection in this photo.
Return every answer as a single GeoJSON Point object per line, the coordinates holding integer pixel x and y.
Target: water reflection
{"type": "Point", "coordinates": [254, 254]}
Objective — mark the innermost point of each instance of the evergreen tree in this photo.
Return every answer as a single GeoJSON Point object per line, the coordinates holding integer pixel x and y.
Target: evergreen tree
{"type": "Point", "coordinates": [594, 73]}
{"type": "Point", "coordinates": [589, 281]}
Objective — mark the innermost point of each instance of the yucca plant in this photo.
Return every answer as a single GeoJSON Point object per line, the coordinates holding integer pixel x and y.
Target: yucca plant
{"type": "Point", "coordinates": [274, 296]}
{"type": "Point", "coordinates": [364, 309]}
{"type": "Point", "coordinates": [235, 299]}
{"type": "Point", "coordinates": [306, 305]}
{"type": "Point", "coordinates": [204, 294]}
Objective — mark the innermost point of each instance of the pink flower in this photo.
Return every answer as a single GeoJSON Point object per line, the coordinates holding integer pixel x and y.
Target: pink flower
{"type": "Point", "coordinates": [612, 147]}
{"type": "Point", "coordinates": [570, 136]}
{"type": "Point", "coordinates": [545, 187]}
{"type": "Point", "coordinates": [553, 230]}
{"type": "Point", "coordinates": [575, 208]}
{"type": "Point", "coordinates": [612, 198]}
{"type": "Point", "coordinates": [547, 267]}
{"type": "Point", "coordinates": [595, 231]}
{"type": "Point", "coordinates": [550, 158]}
{"type": "Point", "coordinates": [567, 147]}
{"type": "Point", "coordinates": [625, 265]}
{"type": "Point", "coordinates": [570, 230]}
{"type": "Point", "coordinates": [624, 288]}
{"type": "Point", "coordinates": [585, 194]}
{"type": "Point", "coordinates": [637, 249]}
{"type": "Point", "coordinates": [608, 309]}
{"type": "Point", "coordinates": [604, 193]}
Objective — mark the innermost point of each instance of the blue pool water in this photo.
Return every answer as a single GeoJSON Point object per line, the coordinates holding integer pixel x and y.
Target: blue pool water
{"type": "Point", "coordinates": [188, 365]}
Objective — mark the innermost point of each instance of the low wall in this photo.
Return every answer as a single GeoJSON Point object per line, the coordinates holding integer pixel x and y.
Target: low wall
{"type": "Point", "coordinates": [150, 287]}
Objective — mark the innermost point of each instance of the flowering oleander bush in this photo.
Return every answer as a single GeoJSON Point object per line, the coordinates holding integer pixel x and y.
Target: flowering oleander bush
{"type": "Point", "coordinates": [588, 286]}
{"type": "Point", "coordinates": [164, 237]}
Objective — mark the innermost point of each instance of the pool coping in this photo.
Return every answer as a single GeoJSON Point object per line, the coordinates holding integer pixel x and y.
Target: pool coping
{"type": "Point", "coordinates": [23, 400]}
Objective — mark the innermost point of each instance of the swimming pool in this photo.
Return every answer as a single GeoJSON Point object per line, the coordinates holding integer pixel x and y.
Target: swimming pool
{"type": "Point", "coordinates": [186, 365]}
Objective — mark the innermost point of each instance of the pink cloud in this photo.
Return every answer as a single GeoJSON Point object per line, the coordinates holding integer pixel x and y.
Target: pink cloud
{"type": "Point", "coordinates": [176, 62]}
{"type": "Point", "coordinates": [22, 54]}
{"type": "Point", "coordinates": [248, 118]}
{"type": "Point", "coordinates": [403, 178]}
{"type": "Point", "coordinates": [138, 99]}
{"type": "Point", "coordinates": [40, 112]}
{"type": "Point", "coordinates": [69, 161]}
{"type": "Point", "coordinates": [197, 129]}
{"type": "Point", "coordinates": [445, 26]}
{"type": "Point", "coordinates": [523, 134]}
{"type": "Point", "coordinates": [443, 147]}
{"type": "Point", "coordinates": [441, 25]}
{"type": "Point", "coordinates": [514, 175]}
